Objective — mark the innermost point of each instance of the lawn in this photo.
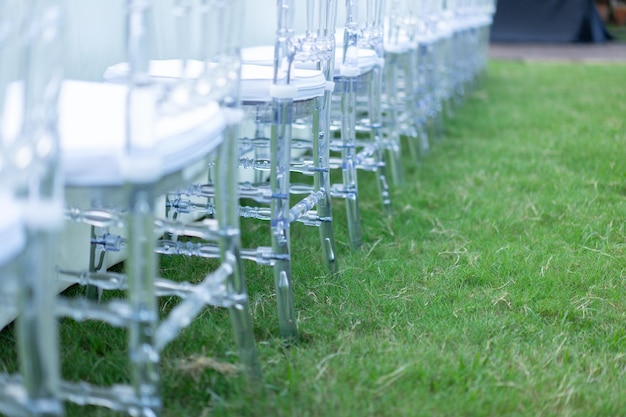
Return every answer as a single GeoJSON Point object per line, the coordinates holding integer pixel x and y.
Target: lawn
{"type": "Point", "coordinates": [496, 289]}
{"type": "Point", "coordinates": [618, 32]}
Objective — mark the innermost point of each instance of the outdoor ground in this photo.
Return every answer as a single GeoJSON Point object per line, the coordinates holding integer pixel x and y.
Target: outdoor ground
{"type": "Point", "coordinates": [495, 289]}
{"type": "Point", "coordinates": [614, 51]}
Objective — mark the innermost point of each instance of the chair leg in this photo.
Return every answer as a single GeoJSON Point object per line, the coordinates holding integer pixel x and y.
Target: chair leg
{"type": "Point", "coordinates": [394, 157]}
{"type": "Point", "coordinates": [141, 272]}
{"type": "Point", "coordinates": [376, 137]}
{"type": "Point", "coordinates": [97, 258]}
{"type": "Point", "coordinates": [37, 326]}
{"type": "Point", "coordinates": [433, 125]}
{"type": "Point", "coordinates": [261, 149]}
{"type": "Point", "coordinates": [421, 99]}
{"type": "Point", "coordinates": [392, 137]}
{"type": "Point", "coordinates": [327, 234]}
{"type": "Point", "coordinates": [321, 139]}
{"type": "Point", "coordinates": [349, 169]}
{"type": "Point", "coordinates": [411, 104]}
{"type": "Point", "coordinates": [422, 136]}
{"type": "Point", "coordinates": [227, 202]}
{"type": "Point", "coordinates": [381, 179]}
{"type": "Point", "coordinates": [280, 230]}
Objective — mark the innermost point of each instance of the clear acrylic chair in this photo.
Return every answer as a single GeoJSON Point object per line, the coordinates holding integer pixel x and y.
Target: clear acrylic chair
{"type": "Point", "coordinates": [362, 71]}
{"type": "Point", "coordinates": [471, 21]}
{"type": "Point", "coordinates": [449, 57]}
{"type": "Point", "coordinates": [313, 50]}
{"type": "Point", "coordinates": [30, 77]}
{"type": "Point", "coordinates": [429, 66]}
{"type": "Point", "coordinates": [356, 81]}
{"type": "Point", "coordinates": [147, 139]}
{"type": "Point", "coordinates": [425, 70]}
{"type": "Point", "coordinates": [354, 114]}
{"type": "Point", "coordinates": [276, 96]}
{"type": "Point", "coordinates": [403, 24]}
{"type": "Point", "coordinates": [361, 143]}
{"type": "Point", "coordinates": [442, 56]}
{"type": "Point", "coordinates": [14, 397]}
{"type": "Point", "coordinates": [286, 95]}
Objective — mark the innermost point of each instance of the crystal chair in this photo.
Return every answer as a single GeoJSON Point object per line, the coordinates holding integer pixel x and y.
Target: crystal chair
{"type": "Point", "coordinates": [485, 10]}
{"type": "Point", "coordinates": [430, 68]}
{"type": "Point", "coordinates": [276, 97]}
{"type": "Point", "coordinates": [145, 140]}
{"type": "Point", "coordinates": [13, 242]}
{"type": "Point", "coordinates": [313, 56]}
{"type": "Point", "coordinates": [354, 113]}
{"type": "Point", "coordinates": [363, 143]}
{"type": "Point", "coordinates": [403, 84]}
{"type": "Point", "coordinates": [450, 61]}
{"type": "Point", "coordinates": [472, 20]}
{"type": "Point", "coordinates": [281, 99]}
{"type": "Point", "coordinates": [451, 55]}
{"type": "Point", "coordinates": [30, 77]}
{"type": "Point", "coordinates": [425, 73]}
{"type": "Point", "coordinates": [295, 100]}
{"type": "Point", "coordinates": [351, 83]}
{"type": "Point", "coordinates": [442, 56]}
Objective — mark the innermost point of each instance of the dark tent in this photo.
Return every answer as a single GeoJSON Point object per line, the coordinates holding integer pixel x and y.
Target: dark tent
{"type": "Point", "coordinates": [548, 21]}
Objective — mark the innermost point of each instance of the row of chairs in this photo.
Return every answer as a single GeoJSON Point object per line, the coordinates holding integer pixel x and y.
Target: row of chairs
{"type": "Point", "coordinates": [167, 153]}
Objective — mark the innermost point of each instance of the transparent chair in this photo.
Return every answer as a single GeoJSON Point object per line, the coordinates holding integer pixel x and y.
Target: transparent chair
{"type": "Point", "coordinates": [286, 96]}
{"type": "Point", "coordinates": [403, 84]}
{"type": "Point", "coordinates": [453, 38]}
{"type": "Point", "coordinates": [451, 61]}
{"type": "Point", "coordinates": [276, 97]}
{"type": "Point", "coordinates": [484, 11]}
{"type": "Point", "coordinates": [430, 79]}
{"type": "Point", "coordinates": [14, 398]}
{"type": "Point", "coordinates": [442, 68]}
{"type": "Point", "coordinates": [357, 113]}
{"type": "Point", "coordinates": [471, 22]}
{"type": "Point", "coordinates": [313, 50]}
{"type": "Point", "coordinates": [425, 90]}
{"type": "Point", "coordinates": [449, 57]}
{"type": "Point", "coordinates": [354, 115]}
{"type": "Point", "coordinates": [147, 139]}
{"type": "Point", "coordinates": [32, 219]}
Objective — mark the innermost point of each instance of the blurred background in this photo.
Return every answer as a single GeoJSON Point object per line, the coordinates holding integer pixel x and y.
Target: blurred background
{"type": "Point", "coordinates": [558, 21]}
{"type": "Point", "coordinates": [91, 48]}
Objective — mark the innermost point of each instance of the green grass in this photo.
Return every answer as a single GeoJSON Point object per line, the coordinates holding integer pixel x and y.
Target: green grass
{"type": "Point", "coordinates": [618, 32]}
{"type": "Point", "coordinates": [497, 288]}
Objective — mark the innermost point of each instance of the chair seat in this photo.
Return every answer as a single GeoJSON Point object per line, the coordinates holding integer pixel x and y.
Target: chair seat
{"type": "Point", "coordinates": [256, 80]}
{"type": "Point", "coordinates": [264, 55]}
{"type": "Point", "coordinates": [470, 22]}
{"type": "Point", "coordinates": [445, 30]}
{"type": "Point", "coordinates": [180, 139]}
{"type": "Point", "coordinates": [400, 45]}
{"type": "Point", "coordinates": [426, 37]}
{"type": "Point", "coordinates": [92, 126]}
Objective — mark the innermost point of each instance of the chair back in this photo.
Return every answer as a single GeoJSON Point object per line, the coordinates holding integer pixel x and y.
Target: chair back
{"type": "Point", "coordinates": [401, 25]}
{"type": "Point", "coordinates": [363, 28]}
{"type": "Point", "coordinates": [30, 81]}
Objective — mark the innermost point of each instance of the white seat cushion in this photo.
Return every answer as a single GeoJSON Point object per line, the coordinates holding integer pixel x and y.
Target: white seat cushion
{"type": "Point", "coordinates": [92, 126]}
{"type": "Point", "coordinates": [401, 44]}
{"type": "Point", "coordinates": [264, 55]}
{"type": "Point", "coordinates": [256, 80]}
